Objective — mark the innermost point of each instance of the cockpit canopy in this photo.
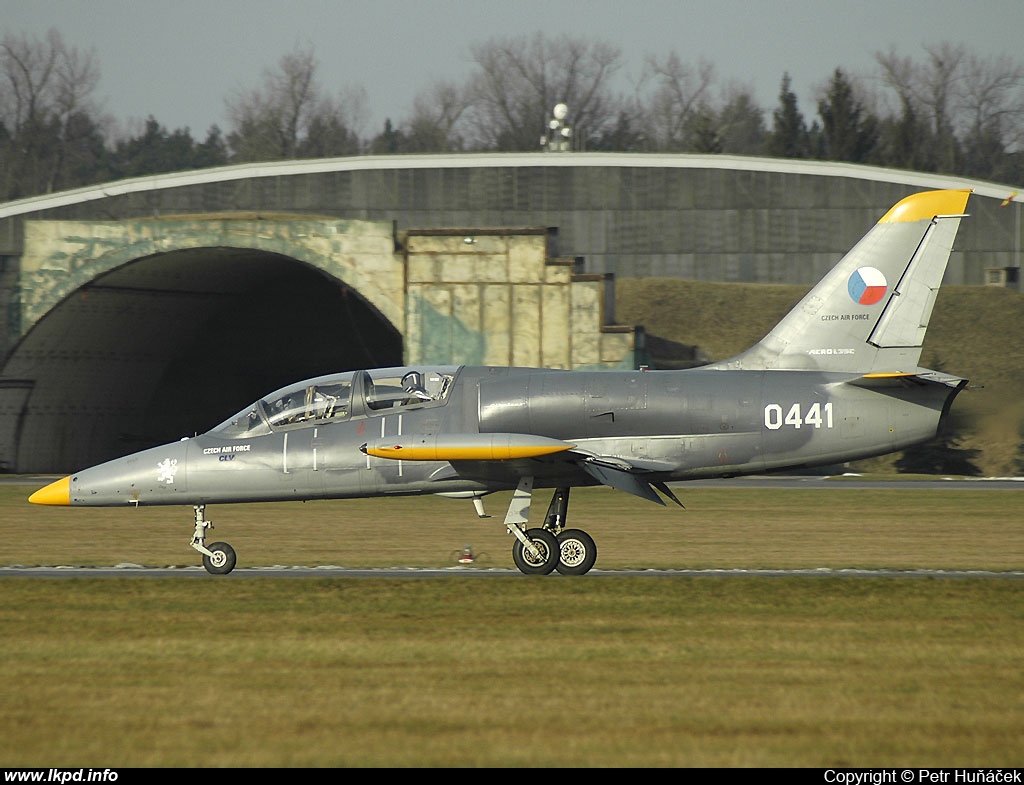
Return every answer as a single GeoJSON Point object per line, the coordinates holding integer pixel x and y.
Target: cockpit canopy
{"type": "Point", "coordinates": [341, 396]}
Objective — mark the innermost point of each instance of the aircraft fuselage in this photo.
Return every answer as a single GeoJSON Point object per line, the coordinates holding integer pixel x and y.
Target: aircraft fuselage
{"type": "Point", "coordinates": [676, 425]}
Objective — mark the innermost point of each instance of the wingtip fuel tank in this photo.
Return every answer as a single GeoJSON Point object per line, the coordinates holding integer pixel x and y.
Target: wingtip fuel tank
{"type": "Point", "coordinates": [465, 447]}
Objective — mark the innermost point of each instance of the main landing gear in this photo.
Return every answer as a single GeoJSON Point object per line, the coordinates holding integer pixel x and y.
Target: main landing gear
{"type": "Point", "coordinates": [537, 551]}
{"type": "Point", "coordinates": [218, 557]}
{"type": "Point", "coordinates": [540, 551]}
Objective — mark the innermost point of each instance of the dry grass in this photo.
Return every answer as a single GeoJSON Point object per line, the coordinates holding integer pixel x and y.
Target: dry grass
{"type": "Point", "coordinates": [510, 671]}
{"type": "Point", "coordinates": [844, 526]}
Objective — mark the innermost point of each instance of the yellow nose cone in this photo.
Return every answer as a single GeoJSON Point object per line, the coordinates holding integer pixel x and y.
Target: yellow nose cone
{"type": "Point", "coordinates": [56, 493]}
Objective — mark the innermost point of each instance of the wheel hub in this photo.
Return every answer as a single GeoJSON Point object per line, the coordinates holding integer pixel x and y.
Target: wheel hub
{"type": "Point", "coordinates": [543, 555]}
{"type": "Point", "coordinates": [573, 552]}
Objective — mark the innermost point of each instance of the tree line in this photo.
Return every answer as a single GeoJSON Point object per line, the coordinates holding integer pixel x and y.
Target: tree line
{"type": "Point", "coordinates": [948, 111]}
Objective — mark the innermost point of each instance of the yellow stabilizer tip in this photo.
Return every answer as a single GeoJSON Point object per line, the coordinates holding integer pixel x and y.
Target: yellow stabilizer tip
{"type": "Point", "coordinates": [56, 494]}
{"type": "Point", "coordinates": [926, 205]}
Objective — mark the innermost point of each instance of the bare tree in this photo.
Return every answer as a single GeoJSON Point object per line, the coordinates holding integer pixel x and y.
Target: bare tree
{"type": "Point", "coordinates": [941, 83]}
{"type": "Point", "coordinates": [931, 92]}
{"type": "Point", "coordinates": [968, 111]}
{"type": "Point", "coordinates": [77, 77]}
{"type": "Point", "coordinates": [45, 107]}
{"type": "Point", "coordinates": [288, 114]}
{"type": "Point", "coordinates": [28, 74]}
{"type": "Point", "coordinates": [268, 119]}
{"type": "Point", "coordinates": [681, 94]}
{"type": "Point", "coordinates": [435, 122]}
{"type": "Point", "coordinates": [906, 138]}
{"type": "Point", "coordinates": [992, 99]}
{"type": "Point", "coordinates": [519, 80]}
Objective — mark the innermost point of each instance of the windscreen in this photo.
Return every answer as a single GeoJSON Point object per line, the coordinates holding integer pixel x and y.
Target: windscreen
{"type": "Point", "coordinates": [322, 399]}
{"type": "Point", "coordinates": [319, 401]}
{"type": "Point", "coordinates": [329, 399]}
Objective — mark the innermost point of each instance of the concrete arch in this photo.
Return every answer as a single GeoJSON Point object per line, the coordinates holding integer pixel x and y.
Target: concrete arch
{"type": "Point", "coordinates": [60, 257]}
{"type": "Point", "coordinates": [143, 340]}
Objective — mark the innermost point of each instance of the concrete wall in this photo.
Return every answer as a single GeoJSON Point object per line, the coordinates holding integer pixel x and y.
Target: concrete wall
{"type": "Point", "coordinates": [60, 257]}
{"type": "Point", "coordinates": [487, 297]}
{"type": "Point", "coordinates": [497, 298]}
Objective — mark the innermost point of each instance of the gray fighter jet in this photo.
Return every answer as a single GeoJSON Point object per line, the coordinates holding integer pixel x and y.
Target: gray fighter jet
{"type": "Point", "coordinates": [836, 380]}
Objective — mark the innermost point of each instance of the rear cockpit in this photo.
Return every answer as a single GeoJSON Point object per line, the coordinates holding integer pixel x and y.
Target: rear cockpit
{"type": "Point", "coordinates": [392, 388]}
{"type": "Point", "coordinates": [342, 396]}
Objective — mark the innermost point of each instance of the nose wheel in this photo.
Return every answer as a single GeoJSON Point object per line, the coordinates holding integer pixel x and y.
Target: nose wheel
{"type": "Point", "coordinates": [221, 560]}
{"type": "Point", "coordinates": [219, 557]}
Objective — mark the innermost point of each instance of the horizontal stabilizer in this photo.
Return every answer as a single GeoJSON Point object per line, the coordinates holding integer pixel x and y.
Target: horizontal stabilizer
{"type": "Point", "coordinates": [464, 447]}
{"type": "Point", "coordinates": [943, 378]}
{"type": "Point", "coordinates": [920, 375]}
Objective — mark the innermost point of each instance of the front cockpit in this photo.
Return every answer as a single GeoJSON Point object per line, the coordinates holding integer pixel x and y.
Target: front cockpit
{"type": "Point", "coordinates": [342, 396]}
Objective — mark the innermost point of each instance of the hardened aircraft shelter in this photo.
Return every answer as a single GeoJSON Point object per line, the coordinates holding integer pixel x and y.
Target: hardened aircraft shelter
{"type": "Point", "coordinates": [143, 310]}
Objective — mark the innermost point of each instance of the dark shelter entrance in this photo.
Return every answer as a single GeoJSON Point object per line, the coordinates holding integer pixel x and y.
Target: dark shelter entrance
{"type": "Point", "coordinates": [169, 345]}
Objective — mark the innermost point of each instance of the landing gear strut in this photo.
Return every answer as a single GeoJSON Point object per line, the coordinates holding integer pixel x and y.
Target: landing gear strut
{"type": "Point", "coordinates": [219, 557]}
{"type": "Point", "coordinates": [552, 547]}
{"type": "Point", "coordinates": [577, 550]}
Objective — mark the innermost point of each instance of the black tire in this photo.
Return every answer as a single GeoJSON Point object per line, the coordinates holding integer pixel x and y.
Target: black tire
{"type": "Point", "coordinates": [577, 552]}
{"type": "Point", "coordinates": [548, 546]}
{"type": "Point", "coordinates": [223, 560]}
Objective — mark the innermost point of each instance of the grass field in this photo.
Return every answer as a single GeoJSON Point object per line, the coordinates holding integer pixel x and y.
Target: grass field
{"type": "Point", "coordinates": [512, 672]}
{"type": "Point", "coordinates": [517, 671]}
{"type": "Point", "coordinates": [838, 525]}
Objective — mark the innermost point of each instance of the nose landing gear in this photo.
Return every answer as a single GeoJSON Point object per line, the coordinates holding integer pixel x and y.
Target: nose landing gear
{"type": "Point", "coordinates": [219, 557]}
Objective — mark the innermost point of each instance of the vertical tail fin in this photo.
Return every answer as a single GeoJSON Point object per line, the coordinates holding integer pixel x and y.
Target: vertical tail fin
{"type": "Point", "coordinates": [870, 312]}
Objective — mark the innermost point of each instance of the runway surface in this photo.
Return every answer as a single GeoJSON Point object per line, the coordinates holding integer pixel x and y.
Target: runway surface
{"type": "Point", "coordinates": [134, 571]}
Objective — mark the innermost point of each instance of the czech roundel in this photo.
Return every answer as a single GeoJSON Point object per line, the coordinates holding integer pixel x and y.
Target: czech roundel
{"type": "Point", "coordinates": [867, 286]}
